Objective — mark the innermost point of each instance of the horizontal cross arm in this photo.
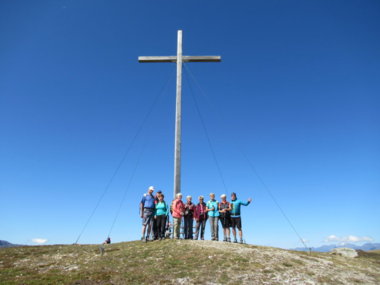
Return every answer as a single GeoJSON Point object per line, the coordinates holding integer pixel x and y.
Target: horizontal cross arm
{"type": "Point", "coordinates": [157, 58]}
{"type": "Point", "coordinates": [185, 58]}
{"type": "Point", "coordinates": [201, 58]}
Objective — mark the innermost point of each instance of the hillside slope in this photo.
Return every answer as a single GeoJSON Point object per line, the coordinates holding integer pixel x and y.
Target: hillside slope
{"type": "Point", "coordinates": [182, 262]}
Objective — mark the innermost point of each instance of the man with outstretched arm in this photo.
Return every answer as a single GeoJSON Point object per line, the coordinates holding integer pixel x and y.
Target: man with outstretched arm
{"type": "Point", "coordinates": [147, 208]}
{"type": "Point", "coordinates": [235, 215]}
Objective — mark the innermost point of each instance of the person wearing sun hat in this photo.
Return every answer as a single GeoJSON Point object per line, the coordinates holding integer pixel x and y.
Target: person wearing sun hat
{"type": "Point", "coordinates": [147, 208]}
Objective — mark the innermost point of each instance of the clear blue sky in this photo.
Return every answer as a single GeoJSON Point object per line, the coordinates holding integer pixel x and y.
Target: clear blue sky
{"type": "Point", "coordinates": [297, 90]}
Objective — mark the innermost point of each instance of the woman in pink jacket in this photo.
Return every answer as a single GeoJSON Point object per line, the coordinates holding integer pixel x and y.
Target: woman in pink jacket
{"type": "Point", "coordinates": [177, 210]}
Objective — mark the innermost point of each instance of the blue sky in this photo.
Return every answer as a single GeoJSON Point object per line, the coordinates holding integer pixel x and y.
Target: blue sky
{"type": "Point", "coordinates": [297, 90]}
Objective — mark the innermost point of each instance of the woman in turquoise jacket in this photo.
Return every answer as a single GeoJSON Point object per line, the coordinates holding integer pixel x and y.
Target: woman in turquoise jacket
{"type": "Point", "coordinates": [160, 215]}
{"type": "Point", "coordinates": [213, 216]}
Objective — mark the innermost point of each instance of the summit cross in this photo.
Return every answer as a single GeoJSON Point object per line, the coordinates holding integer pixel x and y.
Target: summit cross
{"type": "Point", "coordinates": [179, 59]}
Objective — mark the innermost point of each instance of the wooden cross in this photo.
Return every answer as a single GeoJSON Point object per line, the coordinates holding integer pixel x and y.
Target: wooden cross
{"type": "Point", "coordinates": [179, 59]}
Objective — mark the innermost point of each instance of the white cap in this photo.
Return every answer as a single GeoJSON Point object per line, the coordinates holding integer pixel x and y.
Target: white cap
{"type": "Point", "coordinates": [151, 188]}
{"type": "Point", "coordinates": [187, 197]}
{"type": "Point", "coordinates": [223, 195]}
{"type": "Point", "coordinates": [178, 194]}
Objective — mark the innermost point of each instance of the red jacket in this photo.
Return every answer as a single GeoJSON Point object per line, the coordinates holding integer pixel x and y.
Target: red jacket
{"type": "Point", "coordinates": [177, 207]}
{"type": "Point", "coordinates": [200, 211]}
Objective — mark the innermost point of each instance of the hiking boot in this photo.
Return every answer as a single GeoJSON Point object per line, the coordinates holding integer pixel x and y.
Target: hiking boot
{"type": "Point", "coordinates": [241, 241]}
{"type": "Point", "coordinates": [235, 241]}
{"type": "Point", "coordinates": [228, 239]}
{"type": "Point", "coordinates": [225, 239]}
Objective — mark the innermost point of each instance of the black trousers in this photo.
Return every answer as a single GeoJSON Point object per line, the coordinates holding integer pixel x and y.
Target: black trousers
{"type": "Point", "coordinates": [160, 226]}
{"type": "Point", "coordinates": [188, 227]}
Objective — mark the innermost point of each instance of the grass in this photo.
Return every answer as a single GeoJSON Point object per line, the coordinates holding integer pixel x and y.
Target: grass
{"type": "Point", "coordinates": [166, 262]}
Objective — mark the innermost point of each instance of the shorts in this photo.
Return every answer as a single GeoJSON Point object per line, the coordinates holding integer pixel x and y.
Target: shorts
{"type": "Point", "coordinates": [225, 221]}
{"type": "Point", "coordinates": [148, 216]}
{"type": "Point", "coordinates": [236, 223]}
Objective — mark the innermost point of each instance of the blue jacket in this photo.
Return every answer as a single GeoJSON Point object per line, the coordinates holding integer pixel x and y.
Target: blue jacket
{"type": "Point", "coordinates": [213, 204]}
{"type": "Point", "coordinates": [148, 201]}
{"type": "Point", "coordinates": [235, 204]}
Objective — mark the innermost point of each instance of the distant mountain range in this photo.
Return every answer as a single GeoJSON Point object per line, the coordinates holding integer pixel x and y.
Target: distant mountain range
{"type": "Point", "coordinates": [327, 248]}
{"type": "Point", "coordinates": [4, 243]}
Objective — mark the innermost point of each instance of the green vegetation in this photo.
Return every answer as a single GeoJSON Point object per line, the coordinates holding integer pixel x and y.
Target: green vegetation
{"type": "Point", "coordinates": [180, 262]}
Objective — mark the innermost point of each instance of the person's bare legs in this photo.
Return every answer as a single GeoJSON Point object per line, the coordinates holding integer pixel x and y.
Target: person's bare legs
{"type": "Point", "coordinates": [234, 233]}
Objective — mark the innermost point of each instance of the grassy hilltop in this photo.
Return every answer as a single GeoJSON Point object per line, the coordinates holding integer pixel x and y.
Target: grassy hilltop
{"type": "Point", "coordinates": [182, 262]}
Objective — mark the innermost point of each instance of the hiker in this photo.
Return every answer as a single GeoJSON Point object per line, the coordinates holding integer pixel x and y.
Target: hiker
{"type": "Point", "coordinates": [200, 216]}
{"type": "Point", "coordinates": [225, 217]}
{"type": "Point", "coordinates": [213, 215]}
{"type": "Point", "coordinates": [147, 208]}
{"type": "Point", "coordinates": [188, 218]}
{"type": "Point", "coordinates": [158, 193]}
{"type": "Point", "coordinates": [235, 215]}
{"type": "Point", "coordinates": [155, 229]}
{"type": "Point", "coordinates": [178, 210]}
{"type": "Point", "coordinates": [161, 212]}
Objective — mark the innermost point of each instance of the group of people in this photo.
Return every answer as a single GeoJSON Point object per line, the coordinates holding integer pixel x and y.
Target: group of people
{"type": "Point", "coordinates": [154, 212]}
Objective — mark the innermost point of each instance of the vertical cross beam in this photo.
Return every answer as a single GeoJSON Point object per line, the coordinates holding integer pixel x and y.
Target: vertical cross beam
{"type": "Point", "coordinates": [178, 118]}
{"type": "Point", "coordinates": [179, 59]}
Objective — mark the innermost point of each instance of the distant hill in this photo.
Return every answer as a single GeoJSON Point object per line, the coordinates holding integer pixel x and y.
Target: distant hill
{"type": "Point", "coordinates": [4, 243]}
{"type": "Point", "coordinates": [182, 262]}
{"type": "Point", "coordinates": [327, 248]}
